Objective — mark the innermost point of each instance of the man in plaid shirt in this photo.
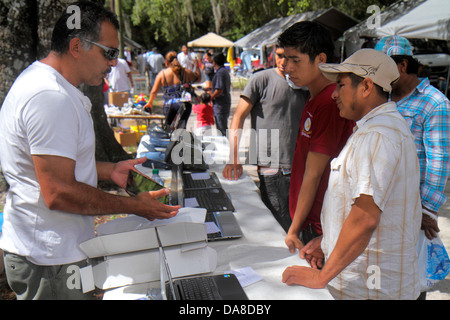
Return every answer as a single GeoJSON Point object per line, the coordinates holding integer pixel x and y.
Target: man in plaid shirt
{"type": "Point", "coordinates": [427, 112]}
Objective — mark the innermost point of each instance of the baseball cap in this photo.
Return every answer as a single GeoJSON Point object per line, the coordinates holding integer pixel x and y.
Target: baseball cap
{"type": "Point", "coordinates": [366, 63]}
{"type": "Point", "coordinates": [394, 46]}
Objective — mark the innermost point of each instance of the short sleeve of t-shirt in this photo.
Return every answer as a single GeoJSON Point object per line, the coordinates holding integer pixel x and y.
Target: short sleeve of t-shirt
{"type": "Point", "coordinates": [219, 80]}
{"type": "Point", "coordinates": [252, 89]}
{"type": "Point", "coordinates": [51, 125]}
{"type": "Point", "coordinates": [329, 127]}
{"type": "Point", "coordinates": [197, 108]}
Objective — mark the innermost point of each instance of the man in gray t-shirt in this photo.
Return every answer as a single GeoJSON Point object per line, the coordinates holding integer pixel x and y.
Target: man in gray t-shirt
{"type": "Point", "coordinates": [275, 108]}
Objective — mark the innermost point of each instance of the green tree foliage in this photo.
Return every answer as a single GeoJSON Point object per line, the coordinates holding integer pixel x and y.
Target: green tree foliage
{"type": "Point", "coordinates": [171, 23]}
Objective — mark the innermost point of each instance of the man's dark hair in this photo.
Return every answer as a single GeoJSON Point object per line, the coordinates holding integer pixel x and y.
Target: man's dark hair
{"type": "Point", "coordinates": [219, 59]}
{"type": "Point", "coordinates": [413, 63]}
{"type": "Point", "coordinates": [309, 38]}
{"type": "Point", "coordinates": [92, 16]}
{"type": "Point", "coordinates": [356, 80]}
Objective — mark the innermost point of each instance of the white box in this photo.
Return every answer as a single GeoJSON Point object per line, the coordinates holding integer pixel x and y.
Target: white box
{"type": "Point", "coordinates": [119, 257]}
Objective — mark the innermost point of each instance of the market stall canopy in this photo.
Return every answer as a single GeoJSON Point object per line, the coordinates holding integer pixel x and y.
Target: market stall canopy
{"type": "Point", "coordinates": [132, 44]}
{"type": "Point", "coordinates": [418, 19]}
{"type": "Point", "coordinates": [211, 40]}
{"type": "Point", "coordinates": [333, 19]}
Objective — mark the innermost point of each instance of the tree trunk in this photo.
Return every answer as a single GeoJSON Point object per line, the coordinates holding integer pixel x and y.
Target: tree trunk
{"type": "Point", "coordinates": [18, 40]}
{"type": "Point", "coordinates": [25, 29]}
{"type": "Point", "coordinates": [106, 146]}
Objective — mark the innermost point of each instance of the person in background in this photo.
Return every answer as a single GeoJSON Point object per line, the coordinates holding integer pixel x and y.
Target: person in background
{"type": "Point", "coordinates": [120, 79]}
{"type": "Point", "coordinates": [322, 133]}
{"type": "Point", "coordinates": [208, 69]}
{"type": "Point", "coordinates": [47, 155]}
{"type": "Point", "coordinates": [427, 111]}
{"type": "Point", "coordinates": [128, 56]}
{"type": "Point", "coordinates": [171, 77]}
{"type": "Point", "coordinates": [185, 59]}
{"type": "Point", "coordinates": [142, 64]}
{"type": "Point", "coordinates": [156, 62]}
{"type": "Point", "coordinates": [205, 114]}
{"type": "Point", "coordinates": [221, 93]}
{"type": "Point", "coordinates": [371, 212]}
{"type": "Point", "coordinates": [274, 106]}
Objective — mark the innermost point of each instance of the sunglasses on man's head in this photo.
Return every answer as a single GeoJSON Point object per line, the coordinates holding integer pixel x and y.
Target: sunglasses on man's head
{"type": "Point", "coordinates": [110, 53]}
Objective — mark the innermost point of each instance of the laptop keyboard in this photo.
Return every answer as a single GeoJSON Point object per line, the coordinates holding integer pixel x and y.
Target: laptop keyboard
{"type": "Point", "coordinates": [191, 183]}
{"type": "Point", "coordinates": [197, 184]}
{"type": "Point", "coordinates": [206, 200]}
{"type": "Point", "coordinates": [202, 288]}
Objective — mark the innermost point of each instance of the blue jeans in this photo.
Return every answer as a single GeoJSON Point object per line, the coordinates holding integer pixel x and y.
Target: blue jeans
{"type": "Point", "coordinates": [222, 122]}
{"type": "Point", "coordinates": [275, 195]}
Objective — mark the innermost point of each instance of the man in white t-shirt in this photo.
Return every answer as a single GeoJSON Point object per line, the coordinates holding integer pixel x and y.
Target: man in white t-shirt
{"type": "Point", "coordinates": [120, 78]}
{"type": "Point", "coordinates": [185, 59]}
{"type": "Point", "coordinates": [47, 154]}
{"type": "Point", "coordinates": [372, 210]}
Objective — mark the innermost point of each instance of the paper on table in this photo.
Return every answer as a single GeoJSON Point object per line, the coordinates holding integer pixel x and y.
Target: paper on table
{"type": "Point", "coordinates": [200, 176]}
{"type": "Point", "coordinates": [191, 202]}
{"type": "Point", "coordinates": [133, 222]}
{"type": "Point", "coordinates": [246, 276]}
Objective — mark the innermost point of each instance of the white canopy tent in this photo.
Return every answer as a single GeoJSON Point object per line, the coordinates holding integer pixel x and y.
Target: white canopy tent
{"type": "Point", "coordinates": [210, 40]}
{"type": "Point", "coordinates": [412, 19]}
{"type": "Point", "coordinates": [420, 19]}
{"type": "Point", "coordinates": [262, 39]}
{"type": "Point", "coordinates": [333, 19]}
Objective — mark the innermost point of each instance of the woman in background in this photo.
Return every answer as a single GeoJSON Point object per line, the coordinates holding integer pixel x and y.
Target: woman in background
{"type": "Point", "coordinates": [170, 79]}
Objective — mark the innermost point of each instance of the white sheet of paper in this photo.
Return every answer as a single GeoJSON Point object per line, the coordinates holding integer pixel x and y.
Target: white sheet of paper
{"type": "Point", "coordinates": [191, 202]}
{"type": "Point", "coordinates": [200, 176]}
{"type": "Point", "coordinates": [246, 276]}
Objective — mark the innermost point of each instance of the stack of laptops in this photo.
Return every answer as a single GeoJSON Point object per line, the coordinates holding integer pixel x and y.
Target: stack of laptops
{"type": "Point", "coordinates": [185, 149]}
{"type": "Point", "coordinates": [214, 287]}
{"type": "Point", "coordinates": [205, 191]}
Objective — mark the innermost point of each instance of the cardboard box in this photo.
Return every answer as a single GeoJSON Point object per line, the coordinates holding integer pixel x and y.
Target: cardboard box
{"type": "Point", "coordinates": [125, 137]}
{"type": "Point", "coordinates": [143, 266]}
{"type": "Point", "coordinates": [126, 251]}
{"type": "Point", "coordinates": [118, 98]}
{"type": "Point", "coordinates": [138, 240]}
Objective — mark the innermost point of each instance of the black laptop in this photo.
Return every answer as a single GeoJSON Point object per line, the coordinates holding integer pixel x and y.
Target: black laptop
{"type": "Point", "coordinates": [185, 149]}
{"type": "Point", "coordinates": [221, 224]}
{"type": "Point", "coordinates": [212, 199]}
{"type": "Point", "coordinates": [200, 180]}
{"type": "Point", "coordinates": [213, 287]}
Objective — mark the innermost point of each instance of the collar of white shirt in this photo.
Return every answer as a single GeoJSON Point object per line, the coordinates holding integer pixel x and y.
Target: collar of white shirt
{"type": "Point", "coordinates": [387, 107]}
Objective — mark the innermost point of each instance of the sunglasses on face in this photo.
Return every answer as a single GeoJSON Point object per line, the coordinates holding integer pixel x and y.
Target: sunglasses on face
{"type": "Point", "coordinates": [110, 53]}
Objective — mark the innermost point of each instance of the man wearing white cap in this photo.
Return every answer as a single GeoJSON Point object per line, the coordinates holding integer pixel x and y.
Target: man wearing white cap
{"type": "Point", "coordinates": [371, 213]}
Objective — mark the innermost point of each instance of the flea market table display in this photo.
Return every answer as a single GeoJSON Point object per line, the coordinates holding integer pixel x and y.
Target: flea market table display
{"type": "Point", "coordinates": [126, 115]}
{"type": "Point", "coordinates": [258, 258]}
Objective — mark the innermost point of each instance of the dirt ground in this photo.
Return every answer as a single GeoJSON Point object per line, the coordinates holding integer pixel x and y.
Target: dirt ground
{"type": "Point", "coordinates": [440, 292]}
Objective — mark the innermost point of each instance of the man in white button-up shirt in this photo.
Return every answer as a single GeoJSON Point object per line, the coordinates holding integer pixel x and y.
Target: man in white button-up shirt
{"type": "Point", "coordinates": [371, 214]}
